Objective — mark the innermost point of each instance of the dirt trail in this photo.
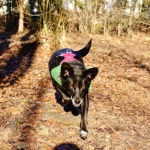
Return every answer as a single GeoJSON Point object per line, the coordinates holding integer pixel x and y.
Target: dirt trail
{"type": "Point", "coordinates": [119, 113]}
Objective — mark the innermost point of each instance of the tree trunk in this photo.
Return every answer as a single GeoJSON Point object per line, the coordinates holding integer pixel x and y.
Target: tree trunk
{"type": "Point", "coordinates": [128, 7]}
{"type": "Point", "coordinates": [137, 10]}
{"type": "Point", "coordinates": [21, 17]}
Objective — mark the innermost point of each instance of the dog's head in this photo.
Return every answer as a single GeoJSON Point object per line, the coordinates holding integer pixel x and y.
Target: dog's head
{"type": "Point", "coordinates": [76, 85]}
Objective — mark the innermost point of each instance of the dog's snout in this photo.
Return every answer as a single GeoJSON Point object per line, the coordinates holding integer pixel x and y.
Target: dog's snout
{"type": "Point", "coordinates": [77, 100]}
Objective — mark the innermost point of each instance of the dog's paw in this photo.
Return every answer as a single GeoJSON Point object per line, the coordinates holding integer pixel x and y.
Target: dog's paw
{"type": "Point", "coordinates": [83, 134]}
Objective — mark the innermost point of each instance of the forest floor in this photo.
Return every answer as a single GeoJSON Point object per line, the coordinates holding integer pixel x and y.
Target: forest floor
{"type": "Point", "coordinates": [119, 111]}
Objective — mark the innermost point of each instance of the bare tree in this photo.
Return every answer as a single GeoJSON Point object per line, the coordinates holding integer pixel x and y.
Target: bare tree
{"type": "Point", "coordinates": [138, 6]}
{"type": "Point", "coordinates": [21, 16]}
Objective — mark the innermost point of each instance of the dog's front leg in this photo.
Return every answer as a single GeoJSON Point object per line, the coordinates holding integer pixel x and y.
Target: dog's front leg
{"type": "Point", "coordinates": [65, 98]}
{"type": "Point", "coordinates": [84, 113]}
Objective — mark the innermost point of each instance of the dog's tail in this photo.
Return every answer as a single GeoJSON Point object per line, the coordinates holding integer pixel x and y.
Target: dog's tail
{"type": "Point", "coordinates": [84, 51]}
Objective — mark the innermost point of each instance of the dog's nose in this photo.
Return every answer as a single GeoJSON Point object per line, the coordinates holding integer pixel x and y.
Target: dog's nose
{"type": "Point", "coordinates": [77, 101]}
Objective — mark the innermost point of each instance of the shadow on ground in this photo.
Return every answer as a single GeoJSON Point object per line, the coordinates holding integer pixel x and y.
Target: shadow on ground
{"type": "Point", "coordinates": [4, 43]}
{"type": "Point", "coordinates": [15, 61]}
{"type": "Point", "coordinates": [67, 146]}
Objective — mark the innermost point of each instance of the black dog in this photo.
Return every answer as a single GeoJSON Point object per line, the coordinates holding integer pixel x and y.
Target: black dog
{"type": "Point", "coordinates": [72, 80]}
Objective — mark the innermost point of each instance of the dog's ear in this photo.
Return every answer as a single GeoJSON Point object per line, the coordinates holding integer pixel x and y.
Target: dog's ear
{"type": "Point", "coordinates": [66, 71]}
{"type": "Point", "coordinates": [84, 51]}
{"type": "Point", "coordinates": [90, 73]}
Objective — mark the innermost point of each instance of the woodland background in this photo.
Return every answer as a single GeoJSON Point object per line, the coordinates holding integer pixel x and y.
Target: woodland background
{"type": "Point", "coordinates": [119, 111]}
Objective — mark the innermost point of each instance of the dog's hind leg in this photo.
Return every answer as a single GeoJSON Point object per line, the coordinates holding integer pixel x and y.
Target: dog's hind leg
{"type": "Point", "coordinates": [84, 113]}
